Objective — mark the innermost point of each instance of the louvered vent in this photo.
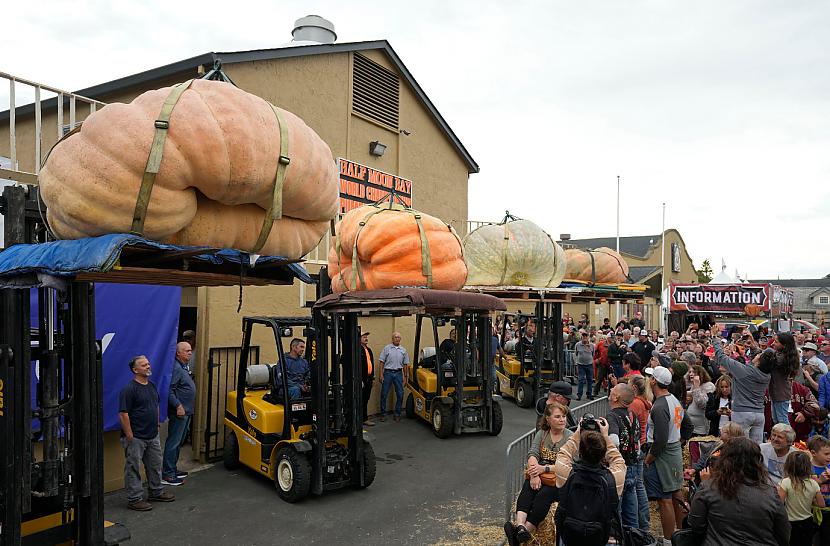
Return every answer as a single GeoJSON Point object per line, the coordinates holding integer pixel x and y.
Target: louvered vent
{"type": "Point", "coordinates": [375, 92]}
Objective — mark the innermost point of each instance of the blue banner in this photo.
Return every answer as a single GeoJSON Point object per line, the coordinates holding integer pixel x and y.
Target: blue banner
{"type": "Point", "coordinates": [131, 320]}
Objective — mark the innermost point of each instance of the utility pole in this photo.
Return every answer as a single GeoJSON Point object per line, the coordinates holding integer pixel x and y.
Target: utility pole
{"type": "Point", "coordinates": [617, 304]}
{"type": "Point", "coordinates": [663, 290]}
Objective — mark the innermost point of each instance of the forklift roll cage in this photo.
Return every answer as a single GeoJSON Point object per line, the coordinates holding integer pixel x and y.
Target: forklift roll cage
{"type": "Point", "coordinates": [332, 408]}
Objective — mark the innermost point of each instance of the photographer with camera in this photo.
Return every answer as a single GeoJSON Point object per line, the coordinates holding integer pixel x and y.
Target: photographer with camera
{"type": "Point", "coordinates": [663, 465]}
{"type": "Point", "coordinates": [590, 475]}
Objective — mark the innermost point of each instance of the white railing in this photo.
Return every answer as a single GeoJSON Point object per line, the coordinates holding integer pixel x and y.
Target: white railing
{"type": "Point", "coordinates": [30, 88]}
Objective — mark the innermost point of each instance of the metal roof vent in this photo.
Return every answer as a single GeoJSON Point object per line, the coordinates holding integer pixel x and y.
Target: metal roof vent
{"type": "Point", "coordinates": [313, 28]}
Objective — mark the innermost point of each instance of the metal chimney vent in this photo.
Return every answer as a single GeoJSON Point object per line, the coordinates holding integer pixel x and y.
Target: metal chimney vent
{"type": "Point", "coordinates": [313, 28]}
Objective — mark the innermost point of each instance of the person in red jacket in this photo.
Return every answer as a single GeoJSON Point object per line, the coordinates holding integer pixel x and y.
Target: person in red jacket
{"type": "Point", "coordinates": [804, 409]}
{"type": "Point", "coordinates": [601, 365]}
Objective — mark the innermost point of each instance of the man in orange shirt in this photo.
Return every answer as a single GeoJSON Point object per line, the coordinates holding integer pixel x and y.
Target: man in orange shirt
{"type": "Point", "coordinates": [367, 367]}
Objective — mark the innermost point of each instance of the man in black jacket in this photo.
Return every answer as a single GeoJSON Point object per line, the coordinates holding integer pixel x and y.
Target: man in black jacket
{"type": "Point", "coordinates": [643, 347]}
{"type": "Point", "coordinates": [367, 368]}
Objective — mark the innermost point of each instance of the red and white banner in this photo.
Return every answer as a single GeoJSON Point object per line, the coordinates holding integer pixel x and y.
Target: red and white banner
{"type": "Point", "coordinates": [747, 299]}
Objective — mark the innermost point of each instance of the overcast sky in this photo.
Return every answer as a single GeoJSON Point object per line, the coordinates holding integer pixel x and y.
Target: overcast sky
{"type": "Point", "coordinates": [720, 108]}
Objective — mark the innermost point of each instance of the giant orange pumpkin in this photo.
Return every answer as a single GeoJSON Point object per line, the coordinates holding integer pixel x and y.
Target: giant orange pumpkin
{"type": "Point", "coordinates": [377, 246]}
{"type": "Point", "coordinates": [600, 266]}
{"type": "Point", "coordinates": [216, 177]}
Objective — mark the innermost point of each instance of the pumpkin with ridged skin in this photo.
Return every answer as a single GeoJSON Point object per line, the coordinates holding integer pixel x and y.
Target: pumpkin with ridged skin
{"type": "Point", "coordinates": [514, 253]}
{"type": "Point", "coordinates": [216, 177]}
{"type": "Point", "coordinates": [600, 266]}
{"type": "Point", "coordinates": [389, 251]}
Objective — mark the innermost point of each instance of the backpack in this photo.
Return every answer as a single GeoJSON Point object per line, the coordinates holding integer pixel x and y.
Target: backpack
{"type": "Point", "coordinates": [588, 503]}
{"type": "Point", "coordinates": [629, 437]}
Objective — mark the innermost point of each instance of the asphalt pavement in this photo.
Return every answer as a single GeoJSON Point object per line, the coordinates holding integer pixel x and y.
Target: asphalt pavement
{"type": "Point", "coordinates": [427, 491]}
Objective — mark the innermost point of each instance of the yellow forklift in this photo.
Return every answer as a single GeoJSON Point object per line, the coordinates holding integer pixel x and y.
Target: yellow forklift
{"type": "Point", "coordinates": [525, 369]}
{"type": "Point", "coordinates": [309, 443]}
{"type": "Point", "coordinates": [451, 387]}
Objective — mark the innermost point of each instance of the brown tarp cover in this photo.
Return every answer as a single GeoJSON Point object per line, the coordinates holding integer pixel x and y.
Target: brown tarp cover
{"type": "Point", "coordinates": [429, 300]}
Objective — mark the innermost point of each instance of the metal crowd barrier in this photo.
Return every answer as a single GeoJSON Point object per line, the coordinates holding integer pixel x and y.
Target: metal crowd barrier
{"type": "Point", "coordinates": [518, 448]}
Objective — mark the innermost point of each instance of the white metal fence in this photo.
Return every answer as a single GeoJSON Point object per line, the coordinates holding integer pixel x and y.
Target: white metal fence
{"type": "Point", "coordinates": [68, 107]}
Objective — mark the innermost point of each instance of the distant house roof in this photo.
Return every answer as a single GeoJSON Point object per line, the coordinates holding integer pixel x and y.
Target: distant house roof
{"type": "Point", "coordinates": [640, 274]}
{"type": "Point", "coordinates": [636, 246]}
{"type": "Point", "coordinates": [823, 289]}
{"type": "Point", "coordinates": [208, 59]}
{"type": "Point", "coordinates": [797, 283]}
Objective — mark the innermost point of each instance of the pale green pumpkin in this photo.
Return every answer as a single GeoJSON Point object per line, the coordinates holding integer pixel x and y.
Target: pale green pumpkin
{"type": "Point", "coordinates": [514, 253]}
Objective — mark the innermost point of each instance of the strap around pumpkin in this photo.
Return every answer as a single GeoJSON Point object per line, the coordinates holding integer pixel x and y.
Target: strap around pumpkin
{"type": "Point", "coordinates": [151, 169]}
{"type": "Point", "coordinates": [426, 257]}
{"type": "Point", "coordinates": [504, 253]}
{"type": "Point", "coordinates": [274, 211]}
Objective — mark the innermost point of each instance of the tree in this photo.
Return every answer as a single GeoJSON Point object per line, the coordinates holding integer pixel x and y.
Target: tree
{"type": "Point", "coordinates": [704, 274]}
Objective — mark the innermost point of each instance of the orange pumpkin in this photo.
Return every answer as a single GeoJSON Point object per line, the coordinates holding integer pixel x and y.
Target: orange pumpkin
{"type": "Point", "coordinates": [381, 247]}
{"type": "Point", "coordinates": [752, 309]}
{"type": "Point", "coordinates": [600, 266]}
{"type": "Point", "coordinates": [216, 177]}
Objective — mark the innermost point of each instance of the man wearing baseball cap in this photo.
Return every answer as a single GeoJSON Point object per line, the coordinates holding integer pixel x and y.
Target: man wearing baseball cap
{"type": "Point", "coordinates": [644, 347]}
{"type": "Point", "coordinates": [562, 392]}
{"type": "Point", "coordinates": [667, 425]}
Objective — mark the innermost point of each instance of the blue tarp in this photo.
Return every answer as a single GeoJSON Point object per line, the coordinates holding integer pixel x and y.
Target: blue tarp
{"type": "Point", "coordinates": [100, 254]}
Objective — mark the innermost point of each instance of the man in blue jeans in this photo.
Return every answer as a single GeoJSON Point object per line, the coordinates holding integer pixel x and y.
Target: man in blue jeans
{"type": "Point", "coordinates": [624, 432]}
{"type": "Point", "coordinates": [180, 403]}
{"type": "Point", "coordinates": [297, 370]}
{"type": "Point", "coordinates": [393, 372]}
{"type": "Point", "coordinates": [584, 360]}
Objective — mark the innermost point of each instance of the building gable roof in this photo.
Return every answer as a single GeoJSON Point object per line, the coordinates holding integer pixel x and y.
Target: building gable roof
{"type": "Point", "coordinates": [635, 246]}
{"type": "Point", "coordinates": [208, 59]}
{"type": "Point", "coordinates": [796, 283]}
{"type": "Point", "coordinates": [822, 290]}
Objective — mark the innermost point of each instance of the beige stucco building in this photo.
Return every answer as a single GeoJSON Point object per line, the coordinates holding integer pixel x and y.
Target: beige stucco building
{"type": "Point", "coordinates": [351, 94]}
{"type": "Point", "coordinates": [647, 264]}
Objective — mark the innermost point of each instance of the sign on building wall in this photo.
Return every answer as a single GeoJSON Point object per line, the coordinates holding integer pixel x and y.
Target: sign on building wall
{"type": "Point", "coordinates": [675, 258]}
{"type": "Point", "coordinates": [719, 298]}
{"type": "Point", "coordinates": [362, 185]}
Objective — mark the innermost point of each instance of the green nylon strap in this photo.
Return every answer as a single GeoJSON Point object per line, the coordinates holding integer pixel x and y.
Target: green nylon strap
{"type": "Point", "coordinates": [357, 271]}
{"type": "Point", "coordinates": [274, 211]}
{"type": "Point", "coordinates": [504, 253]}
{"type": "Point", "coordinates": [426, 257]}
{"type": "Point", "coordinates": [162, 125]}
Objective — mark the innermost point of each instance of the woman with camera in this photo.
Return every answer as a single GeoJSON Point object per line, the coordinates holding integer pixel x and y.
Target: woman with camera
{"type": "Point", "coordinates": [539, 490]}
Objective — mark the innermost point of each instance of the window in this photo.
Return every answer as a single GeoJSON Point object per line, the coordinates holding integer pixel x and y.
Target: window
{"type": "Point", "coordinates": [824, 300]}
{"type": "Point", "coordinates": [375, 92]}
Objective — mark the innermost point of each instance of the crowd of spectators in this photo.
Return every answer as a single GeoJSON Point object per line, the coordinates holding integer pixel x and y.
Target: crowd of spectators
{"type": "Point", "coordinates": [726, 429]}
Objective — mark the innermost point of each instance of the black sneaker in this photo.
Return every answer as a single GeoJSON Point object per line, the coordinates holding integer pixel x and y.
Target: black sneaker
{"type": "Point", "coordinates": [510, 533]}
{"type": "Point", "coordinates": [181, 474]}
{"type": "Point", "coordinates": [522, 534]}
{"type": "Point", "coordinates": [172, 481]}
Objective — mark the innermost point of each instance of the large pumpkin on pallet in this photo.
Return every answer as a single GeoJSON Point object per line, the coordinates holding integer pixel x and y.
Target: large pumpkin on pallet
{"type": "Point", "coordinates": [227, 160]}
{"type": "Point", "coordinates": [378, 246]}
{"type": "Point", "coordinates": [513, 253]}
{"type": "Point", "coordinates": [600, 266]}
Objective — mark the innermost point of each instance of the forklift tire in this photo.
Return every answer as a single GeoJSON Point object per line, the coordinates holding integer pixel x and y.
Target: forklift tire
{"type": "Point", "coordinates": [369, 464]}
{"type": "Point", "coordinates": [524, 394]}
{"type": "Point", "coordinates": [498, 419]}
{"type": "Point", "coordinates": [293, 474]}
{"type": "Point", "coordinates": [442, 420]}
{"type": "Point", "coordinates": [230, 455]}
{"type": "Point", "coordinates": [410, 407]}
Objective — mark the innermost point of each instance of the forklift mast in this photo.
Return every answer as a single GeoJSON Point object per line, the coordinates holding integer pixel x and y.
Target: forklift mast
{"type": "Point", "coordinates": [67, 479]}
